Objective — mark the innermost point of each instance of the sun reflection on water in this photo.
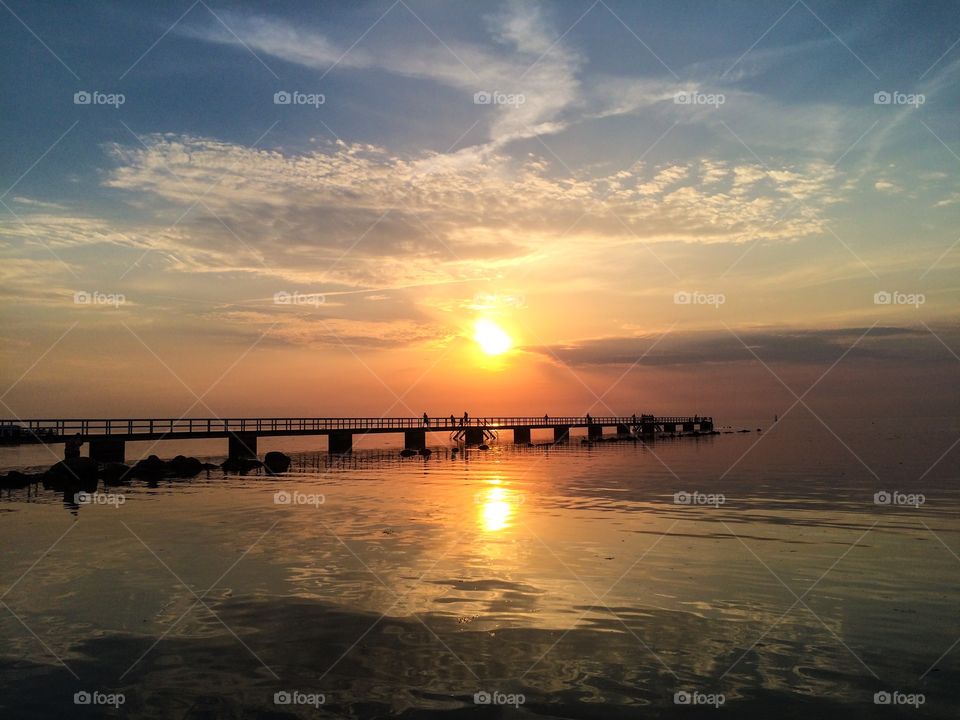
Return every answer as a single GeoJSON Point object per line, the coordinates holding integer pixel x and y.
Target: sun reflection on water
{"type": "Point", "coordinates": [497, 506]}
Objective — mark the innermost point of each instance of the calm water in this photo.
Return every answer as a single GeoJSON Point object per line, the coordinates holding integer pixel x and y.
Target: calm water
{"type": "Point", "coordinates": [567, 575]}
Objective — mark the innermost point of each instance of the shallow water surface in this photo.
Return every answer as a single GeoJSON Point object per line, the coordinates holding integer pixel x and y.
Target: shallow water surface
{"type": "Point", "coordinates": [567, 577]}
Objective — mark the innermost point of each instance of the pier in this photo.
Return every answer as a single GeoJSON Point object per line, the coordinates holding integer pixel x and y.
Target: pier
{"type": "Point", "coordinates": [107, 437]}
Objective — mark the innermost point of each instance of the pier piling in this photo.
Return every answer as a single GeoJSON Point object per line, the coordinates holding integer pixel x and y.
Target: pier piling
{"type": "Point", "coordinates": [414, 439]}
{"type": "Point", "coordinates": [339, 443]}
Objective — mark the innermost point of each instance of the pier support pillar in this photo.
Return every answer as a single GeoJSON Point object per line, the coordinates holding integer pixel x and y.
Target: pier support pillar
{"type": "Point", "coordinates": [648, 428]}
{"type": "Point", "coordinates": [339, 443]}
{"type": "Point", "coordinates": [594, 432]}
{"type": "Point", "coordinates": [242, 446]}
{"type": "Point", "coordinates": [473, 436]}
{"type": "Point", "coordinates": [706, 426]}
{"type": "Point", "coordinates": [669, 427]}
{"type": "Point", "coordinates": [521, 435]}
{"type": "Point", "coordinates": [107, 450]}
{"type": "Point", "coordinates": [688, 427]}
{"type": "Point", "coordinates": [561, 433]}
{"type": "Point", "coordinates": [623, 429]}
{"type": "Point", "coordinates": [414, 439]}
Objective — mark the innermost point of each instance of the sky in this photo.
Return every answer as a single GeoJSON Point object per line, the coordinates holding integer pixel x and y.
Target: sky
{"type": "Point", "coordinates": [239, 209]}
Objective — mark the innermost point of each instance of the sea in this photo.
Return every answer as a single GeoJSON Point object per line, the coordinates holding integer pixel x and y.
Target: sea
{"type": "Point", "coordinates": [800, 569]}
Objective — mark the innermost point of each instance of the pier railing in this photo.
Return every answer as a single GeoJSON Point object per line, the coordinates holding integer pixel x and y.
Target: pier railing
{"type": "Point", "coordinates": [48, 428]}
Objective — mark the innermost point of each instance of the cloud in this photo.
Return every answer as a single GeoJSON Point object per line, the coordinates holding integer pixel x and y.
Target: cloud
{"type": "Point", "coordinates": [309, 329]}
{"type": "Point", "coordinates": [800, 346]}
{"type": "Point", "coordinates": [354, 216]}
{"type": "Point", "coordinates": [521, 65]}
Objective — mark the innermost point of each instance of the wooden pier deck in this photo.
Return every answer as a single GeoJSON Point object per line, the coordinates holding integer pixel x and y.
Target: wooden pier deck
{"type": "Point", "coordinates": [108, 436]}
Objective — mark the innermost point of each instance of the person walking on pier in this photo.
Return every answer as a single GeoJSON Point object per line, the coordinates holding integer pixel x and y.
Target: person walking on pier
{"type": "Point", "coordinates": [466, 418]}
{"type": "Point", "coordinates": [588, 419]}
{"type": "Point", "coordinates": [453, 420]}
{"type": "Point", "coordinates": [426, 420]}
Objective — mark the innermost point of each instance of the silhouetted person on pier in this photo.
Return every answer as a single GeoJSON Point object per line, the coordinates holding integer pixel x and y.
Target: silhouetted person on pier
{"type": "Point", "coordinates": [466, 418]}
{"type": "Point", "coordinates": [453, 420]}
{"type": "Point", "coordinates": [426, 420]}
{"type": "Point", "coordinates": [588, 418]}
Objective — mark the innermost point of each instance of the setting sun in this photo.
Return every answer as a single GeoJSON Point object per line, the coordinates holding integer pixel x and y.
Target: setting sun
{"type": "Point", "coordinates": [491, 338]}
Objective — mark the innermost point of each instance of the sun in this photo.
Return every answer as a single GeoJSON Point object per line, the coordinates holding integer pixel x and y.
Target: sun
{"type": "Point", "coordinates": [492, 339]}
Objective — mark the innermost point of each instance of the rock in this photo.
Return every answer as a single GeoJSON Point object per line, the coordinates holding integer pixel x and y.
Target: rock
{"type": "Point", "coordinates": [149, 467]}
{"type": "Point", "coordinates": [115, 473]}
{"type": "Point", "coordinates": [184, 467]}
{"type": "Point", "coordinates": [75, 470]}
{"type": "Point", "coordinates": [483, 447]}
{"type": "Point", "coordinates": [426, 452]}
{"type": "Point", "coordinates": [14, 480]}
{"type": "Point", "coordinates": [210, 466]}
{"type": "Point", "coordinates": [240, 465]}
{"type": "Point", "coordinates": [407, 452]}
{"type": "Point", "coordinates": [276, 462]}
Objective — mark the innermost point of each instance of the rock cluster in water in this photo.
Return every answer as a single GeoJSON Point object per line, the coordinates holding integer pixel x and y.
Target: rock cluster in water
{"type": "Point", "coordinates": [82, 473]}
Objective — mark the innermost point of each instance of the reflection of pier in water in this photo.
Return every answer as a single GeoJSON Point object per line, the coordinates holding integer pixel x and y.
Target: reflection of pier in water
{"type": "Point", "coordinates": [107, 437]}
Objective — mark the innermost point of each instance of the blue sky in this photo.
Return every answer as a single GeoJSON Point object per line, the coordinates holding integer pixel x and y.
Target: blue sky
{"type": "Point", "coordinates": [596, 193]}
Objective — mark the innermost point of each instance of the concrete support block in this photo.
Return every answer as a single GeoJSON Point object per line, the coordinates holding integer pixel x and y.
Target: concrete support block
{"type": "Point", "coordinates": [594, 432]}
{"type": "Point", "coordinates": [623, 429]}
{"type": "Point", "coordinates": [414, 439]}
{"type": "Point", "coordinates": [242, 446]}
{"type": "Point", "coordinates": [339, 442]}
{"type": "Point", "coordinates": [561, 433]}
{"type": "Point", "coordinates": [521, 435]}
